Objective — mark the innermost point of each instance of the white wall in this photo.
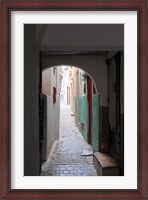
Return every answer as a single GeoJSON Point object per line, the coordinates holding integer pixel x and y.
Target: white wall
{"type": "Point", "coordinates": [50, 80]}
{"type": "Point", "coordinates": [52, 121]}
{"type": "Point", "coordinates": [46, 82]}
{"type": "Point", "coordinates": [82, 82]}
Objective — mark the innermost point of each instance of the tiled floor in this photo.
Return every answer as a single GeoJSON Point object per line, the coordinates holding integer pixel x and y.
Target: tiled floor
{"type": "Point", "coordinates": [66, 158]}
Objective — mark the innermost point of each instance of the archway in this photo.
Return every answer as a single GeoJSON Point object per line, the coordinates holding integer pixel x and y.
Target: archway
{"type": "Point", "coordinates": [77, 89]}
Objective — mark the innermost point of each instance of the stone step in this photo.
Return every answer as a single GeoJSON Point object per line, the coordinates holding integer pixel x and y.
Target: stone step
{"type": "Point", "coordinates": [105, 165]}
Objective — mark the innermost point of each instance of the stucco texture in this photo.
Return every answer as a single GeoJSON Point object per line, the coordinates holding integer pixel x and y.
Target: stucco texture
{"type": "Point", "coordinates": [84, 116]}
{"type": "Point", "coordinates": [95, 122]}
{"type": "Point", "coordinates": [84, 119]}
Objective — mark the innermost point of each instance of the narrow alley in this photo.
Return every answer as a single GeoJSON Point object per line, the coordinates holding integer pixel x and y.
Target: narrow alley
{"type": "Point", "coordinates": [71, 155]}
{"type": "Point", "coordinates": [86, 70]}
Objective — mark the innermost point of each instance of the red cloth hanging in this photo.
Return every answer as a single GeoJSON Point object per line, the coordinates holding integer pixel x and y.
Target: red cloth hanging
{"type": "Point", "coordinates": [54, 95]}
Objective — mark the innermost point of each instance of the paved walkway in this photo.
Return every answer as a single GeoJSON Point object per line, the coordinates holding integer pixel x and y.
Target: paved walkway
{"type": "Point", "coordinates": [65, 158]}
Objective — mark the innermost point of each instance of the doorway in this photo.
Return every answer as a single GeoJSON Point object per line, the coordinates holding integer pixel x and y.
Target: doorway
{"type": "Point", "coordinates": [68, 122]}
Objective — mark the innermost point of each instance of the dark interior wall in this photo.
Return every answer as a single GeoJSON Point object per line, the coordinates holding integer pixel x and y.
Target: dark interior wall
{"type": "Point", "coordinates": [44, 147]}
{"type": "Point", "coordinates": [83, 37]}
{"type": "Point", "coordinates": [31, 103]}
{"type": "Point", "coordinates": [122, 111]}
{"type": "Point", "coordinates": [105, 137]}
{"type": "Point", "coordinates": [116, 106]}
{"type": "Point", "coordinates": [104, 112]}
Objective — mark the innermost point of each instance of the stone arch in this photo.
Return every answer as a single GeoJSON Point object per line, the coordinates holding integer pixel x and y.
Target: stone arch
{"type": "Point", "coordinates": [89, 75]}
{"type": "Point", "coordinates": [94, 65]}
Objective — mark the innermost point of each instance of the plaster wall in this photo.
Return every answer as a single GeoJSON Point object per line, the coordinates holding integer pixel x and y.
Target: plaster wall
{"type": "Point", "coordinates": [51, 125]}
{"type": "Point", "coordinates": [53, 111]}
{"type": "Point", "coordinates": [72, 96]}
{"type": "Point", "coordinates": [58, 79]}
{"type": "Point", "coordinates": [84, 116]}
{"type": "Point", "coordinates": [46, 82]}
{"type": "Point", "coordinates": [95, 121]}
{"type": "Point", "coordinates": [44, 142]}
{"type": "Point", "coordinates": [82, 82]}
{"type": "Point", "coordinates": [50, 79]}
{"type": "Point", "coordinates": [84, 119]}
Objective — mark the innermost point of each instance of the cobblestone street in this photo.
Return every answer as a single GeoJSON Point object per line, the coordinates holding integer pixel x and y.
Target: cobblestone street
{"type": "Point", "coordinates": [65, 158]}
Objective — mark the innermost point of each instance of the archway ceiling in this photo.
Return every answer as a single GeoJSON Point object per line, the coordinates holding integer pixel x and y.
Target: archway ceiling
{"type": "Point", "coordinates": [82, 38]}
